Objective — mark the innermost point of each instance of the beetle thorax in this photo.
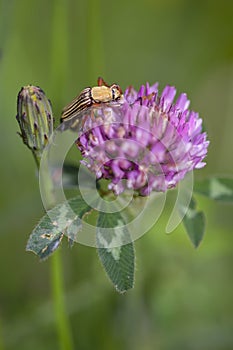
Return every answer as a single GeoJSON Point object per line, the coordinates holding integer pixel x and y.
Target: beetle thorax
{"type": "Point", "coordinates": [101, 94]}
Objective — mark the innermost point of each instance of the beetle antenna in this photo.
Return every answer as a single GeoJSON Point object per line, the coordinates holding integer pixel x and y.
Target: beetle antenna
{"type": "Point", "coordinates": [101, 82]}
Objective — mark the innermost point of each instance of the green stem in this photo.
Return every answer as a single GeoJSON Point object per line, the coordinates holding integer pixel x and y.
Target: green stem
{"type": "Point", "coordinates": [63, 327]}
{"type": "Point", "coordinates": [57, 283]}
{"type": "Point", "coordinates": [62, 321]}
{"type": "Point", "coordinates": [58, 294]}
{"type": "Point", "coordinates": [37, 159]}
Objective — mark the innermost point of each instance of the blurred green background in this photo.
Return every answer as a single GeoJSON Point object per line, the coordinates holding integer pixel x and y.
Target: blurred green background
{"type": "Point", "coordinates": [183, 298]}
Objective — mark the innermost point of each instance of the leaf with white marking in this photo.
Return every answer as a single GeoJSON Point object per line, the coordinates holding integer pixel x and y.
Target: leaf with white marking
{"type": "Point", "coordinates": [65, 218]}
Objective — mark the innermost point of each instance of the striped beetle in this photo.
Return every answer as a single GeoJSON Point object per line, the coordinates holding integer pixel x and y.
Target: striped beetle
{"type": "Point", "coordinates": [89, 96]}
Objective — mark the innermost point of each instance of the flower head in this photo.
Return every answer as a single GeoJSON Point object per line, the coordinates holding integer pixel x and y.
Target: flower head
{"type": "Point", "coordinates": [147, 143]}
{"type": "Point", "coordinates": [34, 115]}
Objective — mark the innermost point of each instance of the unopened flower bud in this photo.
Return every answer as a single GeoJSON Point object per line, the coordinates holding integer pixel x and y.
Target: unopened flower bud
{"type": "Point", "coordinates": [35, 118]}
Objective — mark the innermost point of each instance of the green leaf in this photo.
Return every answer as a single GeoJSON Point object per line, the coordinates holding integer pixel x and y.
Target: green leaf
{"type": "Point", "coordinates": [217, 188]}
{"type": "Point", "coordinates": [116, 251]}
{"type": "Point", "coordinates": [194, 223]}
{"type": "Point", "coordinates": [65, 218]}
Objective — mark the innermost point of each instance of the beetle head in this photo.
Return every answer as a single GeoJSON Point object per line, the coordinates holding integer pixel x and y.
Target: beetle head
{"type": "Point", "coordinates": [116, 92]}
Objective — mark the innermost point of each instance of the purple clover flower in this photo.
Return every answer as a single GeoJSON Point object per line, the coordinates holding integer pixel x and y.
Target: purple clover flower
{"type": "Point", "coordinates": [145, 143]}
